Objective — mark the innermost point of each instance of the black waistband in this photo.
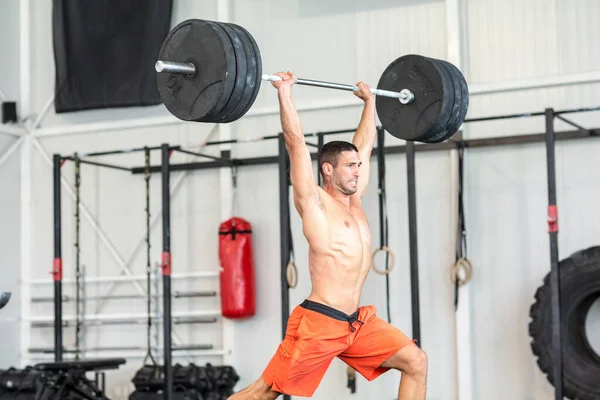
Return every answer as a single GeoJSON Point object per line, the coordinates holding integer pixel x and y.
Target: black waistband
{"type": "Point", "coordinates": [329, 311]}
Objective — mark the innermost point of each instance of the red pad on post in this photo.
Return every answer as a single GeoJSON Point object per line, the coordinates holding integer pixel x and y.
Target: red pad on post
{"type": "Point", "coordinates": [552, 218]}
{"type": "Point", "coordinates": [166, 264]}
{"type": "Point", "coordinates": [57, 269]}
{"type": "Point", "coordinates": [237, 280]}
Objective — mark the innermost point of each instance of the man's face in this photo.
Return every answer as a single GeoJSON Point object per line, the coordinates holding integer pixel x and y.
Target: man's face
{"type": "Point", "coordinates": [346, 173]}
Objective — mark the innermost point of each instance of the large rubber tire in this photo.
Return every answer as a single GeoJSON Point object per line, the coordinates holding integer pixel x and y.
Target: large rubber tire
{"type": "Point", "coordinates": [580, 287]}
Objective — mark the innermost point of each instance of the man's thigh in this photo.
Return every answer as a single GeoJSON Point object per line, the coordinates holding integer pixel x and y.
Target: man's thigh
{"type": "Point", "coordinates": [375, 342]}
{"type": "Point", "coordinates": [302, 359]}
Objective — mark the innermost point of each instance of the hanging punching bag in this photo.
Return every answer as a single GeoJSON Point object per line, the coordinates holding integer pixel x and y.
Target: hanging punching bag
{"type": "Point", "coordinates": [237, 279]}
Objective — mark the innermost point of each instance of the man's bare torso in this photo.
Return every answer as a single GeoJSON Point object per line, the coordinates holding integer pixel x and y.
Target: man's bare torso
{"type": "Point", "coordinates": [339, 241]}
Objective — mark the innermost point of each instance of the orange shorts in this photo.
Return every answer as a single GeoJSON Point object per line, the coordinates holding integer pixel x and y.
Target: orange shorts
{"type": "Point", "coordinates": [317, 333]}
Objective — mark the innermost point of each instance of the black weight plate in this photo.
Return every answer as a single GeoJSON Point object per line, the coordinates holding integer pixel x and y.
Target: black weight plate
{"type": "Point", "coordinates": [253, 82]}
{"type": "Point", "coordinates": [464, 88]}
{"type": "Point", "coordinates": [454, 98]}
{"type": "Point", "coordinates": [231, 78]}
{"type": "Point", "coordinates": [461, 104]}
{"type": "Point", "coordinates": [439, 130]}
{"type": "Point", "coordinates": [452, 104]}
{"type": "Point", "coordinates": [210, 50]}
{"type": "Point", "coordinates": [457, 111]}
{"type": "Point", "coordinates": [240, 76]}
{"type": "Point", "coordinates": [455, 121]}
{"type": "Point", "coordinates": [428, 111]}
{"type": "Point", "coordinates": [249, 78]}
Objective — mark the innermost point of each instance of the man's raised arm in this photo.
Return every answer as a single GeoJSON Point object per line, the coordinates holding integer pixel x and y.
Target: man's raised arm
{"type": "Point", "coordinates": [364, 138]}
{"type": "Point", "coordinates": [301, 168]}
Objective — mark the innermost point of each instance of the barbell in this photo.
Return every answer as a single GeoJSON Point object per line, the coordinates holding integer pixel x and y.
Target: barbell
{"type": "Point", "coordinates": [211, 71]}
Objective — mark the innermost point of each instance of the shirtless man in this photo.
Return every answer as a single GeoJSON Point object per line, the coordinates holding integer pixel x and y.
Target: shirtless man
{"type": "Point", "coordinates": [330, 323]}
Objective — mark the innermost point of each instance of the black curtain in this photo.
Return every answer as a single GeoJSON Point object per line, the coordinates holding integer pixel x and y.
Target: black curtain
{"type": "Point", "coordinates": [105, 50]}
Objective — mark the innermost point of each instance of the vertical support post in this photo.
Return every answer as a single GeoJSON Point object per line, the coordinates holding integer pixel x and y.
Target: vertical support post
{"type": "Point", "coordinates": [77, 179]}
{"type": "Point", "coordinates": [414, 257]}
{"type": "Point", "coordinates": [381, 179]}
{"type": "Point", "coordinates": [158, 314]}
{"type": "Point", "coordinates": [166, 270]}
{"type": "Point", "coordinates": [27, 246]}
{"type": "Point", "coordinates": [320, 144]}
{"type": "Point", "coordinates": [554, 271]}
{"type": "Point", "coordinates": [224, 14]}
{"type": "Point", "coordinates": [383, 221]}
{"type": "Point", "coordinates": [57, 264]}
{"type": "Point", "coordinates": [284, 227]}
{"type": "Point", "coordinates": [458, 54]}
{"type": "Point", "coordinates": [464, 370]}
{"type": "Point", "coordinates": [227, 211]}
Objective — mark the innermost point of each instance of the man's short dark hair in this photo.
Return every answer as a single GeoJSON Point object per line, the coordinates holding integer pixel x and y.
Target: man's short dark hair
{"type": "Point", "coordinates": [330, 153]}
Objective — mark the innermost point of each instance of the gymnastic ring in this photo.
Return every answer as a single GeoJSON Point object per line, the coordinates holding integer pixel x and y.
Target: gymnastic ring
{"type": "Point", "coordinates": [291, 269]}
{"type": "Point", "coordinates": [466, 266]}
{"type": "Point", "coordinates": [390, 265]}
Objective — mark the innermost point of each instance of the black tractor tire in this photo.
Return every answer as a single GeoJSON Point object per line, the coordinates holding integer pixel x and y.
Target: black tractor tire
{"type": "Point", "coordinates": [580, 288]}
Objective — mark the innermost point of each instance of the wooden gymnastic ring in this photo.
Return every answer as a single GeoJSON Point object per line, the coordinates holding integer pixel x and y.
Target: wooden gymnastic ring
{"type": "Point", "coordinates": [291, 269]}
{"type": "Point", "coordinates": [390, 265]}
{"type": "Point", "coordinates": [466, 266]}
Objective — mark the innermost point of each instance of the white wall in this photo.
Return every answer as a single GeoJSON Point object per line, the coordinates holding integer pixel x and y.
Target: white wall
{"type": "Point", "coordinates": [9, 28]}
{"type": "Point", "coordinates": [514, 41]}
{"type": "Point", "coordinates": [345, 42]}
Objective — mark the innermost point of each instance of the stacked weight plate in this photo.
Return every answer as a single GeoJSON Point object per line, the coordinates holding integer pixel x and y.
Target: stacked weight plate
{"type": "Point", "coordinates": [228, 71]}
{"type": "Point", "coordinates": [441, 99]}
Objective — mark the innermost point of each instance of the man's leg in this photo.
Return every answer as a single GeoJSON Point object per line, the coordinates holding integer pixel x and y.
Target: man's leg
{"type": "Point", "coordinates": [259, 390]}
{"type": "Point", "coordinates": [302, 358]}
{"type": "Point", "coordinates": [412, 362]}
{"type": "Point", "coordinates": [379, 346]}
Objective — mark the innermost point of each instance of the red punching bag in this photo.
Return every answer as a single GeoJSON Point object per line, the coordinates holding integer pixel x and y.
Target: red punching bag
{"type": "Point", "coordinates": [238, 298]}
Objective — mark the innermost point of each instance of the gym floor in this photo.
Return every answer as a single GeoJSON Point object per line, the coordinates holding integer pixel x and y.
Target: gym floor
{"type": "Point", "coordinates": [111, 200]}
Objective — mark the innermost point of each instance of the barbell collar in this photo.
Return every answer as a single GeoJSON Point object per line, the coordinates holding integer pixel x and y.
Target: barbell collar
{"type": "Point", "coordinates": [406, 96]}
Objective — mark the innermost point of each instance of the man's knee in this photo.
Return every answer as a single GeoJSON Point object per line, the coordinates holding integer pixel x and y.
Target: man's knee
{"type": "Point", "coordinates": [418, 364]}
{"type": "Point", "coordinates": [411, 360]}
{"type": "Point", "coordinates": [259, 390]}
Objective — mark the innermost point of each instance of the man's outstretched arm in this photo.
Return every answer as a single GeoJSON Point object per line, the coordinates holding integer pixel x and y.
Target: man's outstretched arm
{"type": "Point", "coordinates": [301, 168]}
{"type": "Point", "coordinates": [364, 138]}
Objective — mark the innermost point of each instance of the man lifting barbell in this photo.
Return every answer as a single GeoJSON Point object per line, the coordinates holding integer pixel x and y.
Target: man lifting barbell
{"type": "Point", "coordinates": [419, 99]}
{"type": "Point", "coordinates": [330, 323]}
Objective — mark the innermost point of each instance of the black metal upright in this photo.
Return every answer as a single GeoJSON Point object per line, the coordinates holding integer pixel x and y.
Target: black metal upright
{"type": "Point", "coordinates": [412, 234]}
{"type": "Point", "coordinates": [320, 144]}
{"type": "Point", "coordinates": [284, 229]}
{"type": "Point", "coordinates": [57, 270]}
{"type": "Point", "coordinates": [383, 220]}
{"type": "Point", "coordinates": [166, 270]}
{"type": "Point", "coordinates": [381, 182]}
{"type": "Point", "coordinates": [554, 271]}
